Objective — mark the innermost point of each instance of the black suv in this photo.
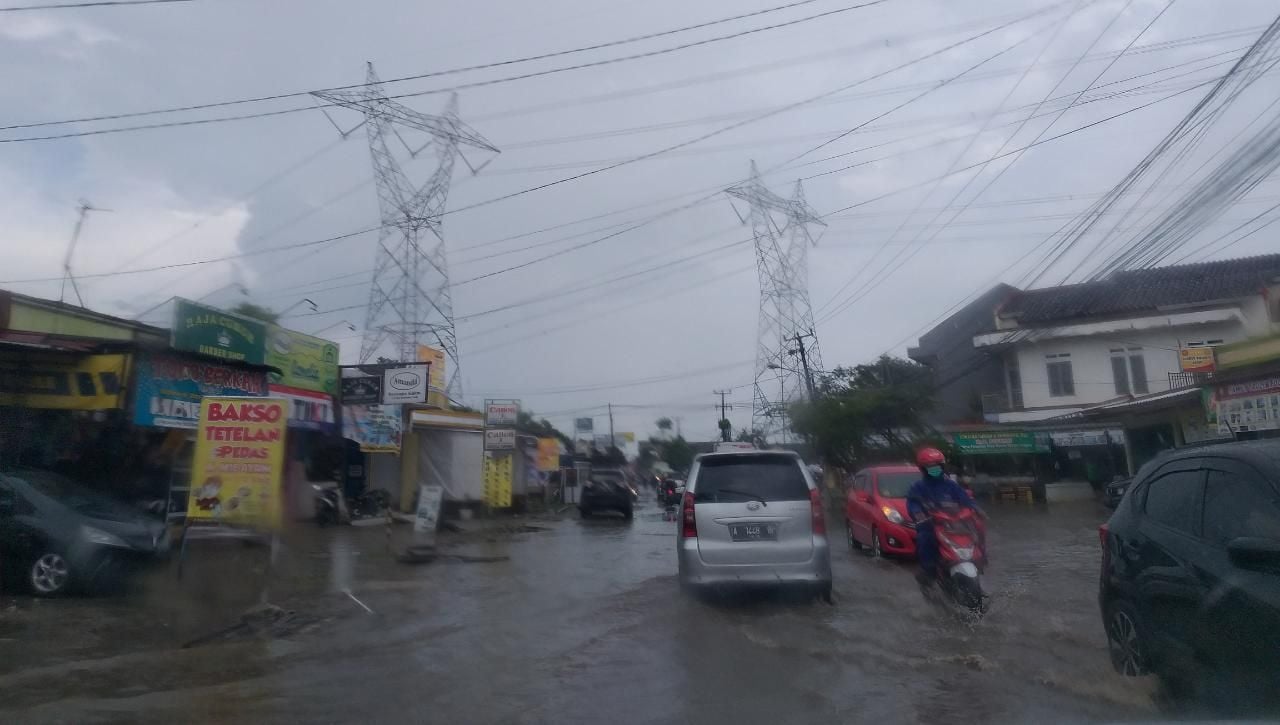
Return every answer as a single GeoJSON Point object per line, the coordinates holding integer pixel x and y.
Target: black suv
{"type": "Point", "coordinates": [606, 490]}
{"type": "Point", "coordinates": [1190, 586]}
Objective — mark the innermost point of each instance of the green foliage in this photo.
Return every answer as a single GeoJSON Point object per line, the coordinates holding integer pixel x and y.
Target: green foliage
{"type": "Point", "coordinates": [257, 312]}
{"type": "Point", "coordinates": [867, 412]}
{"type": "Point", "coordinates": [754, 436]}
{"type": "Point", "coordinates": [663, 423]}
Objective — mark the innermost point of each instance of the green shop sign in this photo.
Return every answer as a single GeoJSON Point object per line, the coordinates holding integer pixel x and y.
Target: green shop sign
{"type": "Point", "coordinates": [305, 362]}
{"type": "Point", "coordinates": [210, 331]}
{"type": "Point", "coordinates": [1013, 441]}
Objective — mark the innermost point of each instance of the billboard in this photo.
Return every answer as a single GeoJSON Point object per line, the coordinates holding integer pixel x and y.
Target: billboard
{"type": "Point", "coordinates": [238, 467]}
{"type": "Point", "coordinates": [361, 390]}
{"type": "Point", "coordinates": [1196, 359]}
{"type": "Point", "coordinates": [499, 439]}
{"type": "Point", "coordinates": [210, 331]}
{"type": "Point", "coordinates": [434, 356]}
{"type": "Point", "coordinates": [170, 387]}
{"type": "Point", "coordinates": [501, 412]}
{"type": "Point", "coordinates": [404, 385]}
{"type": "Point", "coordinates": [548, 454]}
{"type": "Point", "coordinates": [583, 426]}
{"type": "Point", "coordinates": [498, 471]}
{"type": "Point", "coordinates": [1251, 405]}
{"type": "Point", "coordinates": [376, 428]}
{"type": "Point", "coordinates": [305, 362]}
{"type": "Point", "coordinates": [307, 409]}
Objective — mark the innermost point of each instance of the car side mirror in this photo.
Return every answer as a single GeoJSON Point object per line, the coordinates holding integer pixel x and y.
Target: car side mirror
{"type": "Point", "coordinates": [1249, 551]}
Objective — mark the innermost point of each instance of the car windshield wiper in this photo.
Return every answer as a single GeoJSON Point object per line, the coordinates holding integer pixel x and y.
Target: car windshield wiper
{"type": "Point", "coordinates": [745, 494]}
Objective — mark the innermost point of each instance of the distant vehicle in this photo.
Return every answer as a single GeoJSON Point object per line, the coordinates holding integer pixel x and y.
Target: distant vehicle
{"type": "Point", "coordinates": [752, 518]}
{"type": "Point", "coordinates": [60, 536]}
{"type": "Point", "coordinates": [1113, 492]}
{"type": "Point", "coordinates": [1190, 583]}
{"type": "Point", "coordinates": [607, 489]}
{"type": "Point", "coordinates": [876, 518]}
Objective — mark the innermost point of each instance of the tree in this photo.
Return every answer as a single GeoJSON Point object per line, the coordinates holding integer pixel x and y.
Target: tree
{"type": "Point", "coordinates": [677, 453]}
{"type": "Point", "coordinates": [867, 411]}
{"type": "Point", "coordinates": [726, 429]}
{"type": "Point", "coordinates": [257, 312]}
{"type": "Point", "coordinates": [542, 428]}
{"type": "Point", "coordinates": [663, 423]}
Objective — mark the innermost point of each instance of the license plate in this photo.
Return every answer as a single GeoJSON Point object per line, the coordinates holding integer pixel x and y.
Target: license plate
{"type": "Point", "coordinates": [753, 532]}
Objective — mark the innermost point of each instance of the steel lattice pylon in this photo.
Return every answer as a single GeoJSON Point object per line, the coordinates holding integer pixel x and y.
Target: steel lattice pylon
{"type": "Point", "coordinates": [782, 258]}
{"type": "Point", "coordinates": [410, 300]}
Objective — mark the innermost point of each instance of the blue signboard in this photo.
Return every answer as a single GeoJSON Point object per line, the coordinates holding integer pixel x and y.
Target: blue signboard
{"type": "Point", "coordinates": [169, 388]}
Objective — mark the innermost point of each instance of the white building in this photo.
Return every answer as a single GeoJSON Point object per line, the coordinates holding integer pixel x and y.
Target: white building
{"type": "Point", "coordinates": [1067, 348]}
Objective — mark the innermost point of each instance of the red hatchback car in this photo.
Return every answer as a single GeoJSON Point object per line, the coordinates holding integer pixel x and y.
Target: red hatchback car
{"type": "Point", "coordinates": [875, 514]}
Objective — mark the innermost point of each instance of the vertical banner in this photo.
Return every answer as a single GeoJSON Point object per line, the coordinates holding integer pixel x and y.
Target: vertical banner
{"type": "Point", "coordinates": [238, 466]}
{"type": "Point", "coordinates": [548, 454]}
{"type": "Point", "coordinates": [497, 479]}
{"type": "Point", "coordinates": [428, 517]}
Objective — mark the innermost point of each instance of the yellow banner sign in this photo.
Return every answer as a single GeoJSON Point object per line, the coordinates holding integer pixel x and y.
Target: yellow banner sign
{"type": "Point", "coordinates": [238, 467]}
{"type": "Point", "coordinates": [497, 474]}
{"type": "Point", "coordinates": [548, 454]}
{"type": "Point", "coordinates": [91, 382]}
{"type": "Point", "coordinates": [436, 382]}
{"type": "Point", "coordinates": [1196, 359]}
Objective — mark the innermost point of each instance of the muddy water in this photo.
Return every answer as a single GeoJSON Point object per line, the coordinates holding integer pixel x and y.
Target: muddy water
{"type": "Point", "coordinates": [582, 623]}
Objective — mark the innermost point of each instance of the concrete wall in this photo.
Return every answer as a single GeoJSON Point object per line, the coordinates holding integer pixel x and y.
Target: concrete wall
{"type": "Point", "coordinates": [1091, 361]}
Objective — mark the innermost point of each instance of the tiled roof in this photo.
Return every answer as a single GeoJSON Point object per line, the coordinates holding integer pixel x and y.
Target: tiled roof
{"type": "Point", "coordinates": [1144, 290]}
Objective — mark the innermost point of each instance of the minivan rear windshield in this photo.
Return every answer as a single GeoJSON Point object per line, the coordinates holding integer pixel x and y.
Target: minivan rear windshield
{"type": "Point", "coordinates": [724, 479]}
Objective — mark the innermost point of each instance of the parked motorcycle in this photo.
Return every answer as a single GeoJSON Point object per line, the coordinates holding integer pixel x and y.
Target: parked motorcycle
{"type": "Point", "coordinates": [332, 507]}
{"type": "Point", "coordinates": [962, 557]}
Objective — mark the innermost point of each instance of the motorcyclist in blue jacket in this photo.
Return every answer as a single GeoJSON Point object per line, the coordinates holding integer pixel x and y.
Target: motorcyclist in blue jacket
{"type": "Point", "coordinates": [932, 492]}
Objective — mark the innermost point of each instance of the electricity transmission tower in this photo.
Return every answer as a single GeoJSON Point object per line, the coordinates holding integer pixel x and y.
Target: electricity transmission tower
{"type": "Point", "coordinates": [409, 301]}
{"type": "Point", "coordinates": [782, 240]}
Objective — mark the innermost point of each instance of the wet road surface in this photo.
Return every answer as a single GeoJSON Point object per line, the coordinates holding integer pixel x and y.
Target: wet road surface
{"type": "Point", "coordinates": [581, 621]}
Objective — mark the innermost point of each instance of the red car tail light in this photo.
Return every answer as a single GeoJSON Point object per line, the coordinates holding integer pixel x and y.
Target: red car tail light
{"type": "Point", "coordinates": [1103, 530]}
{"type": "Point", "coordinates": [689, 525]}
{"type": "Point", "coordinates": [815, 506]}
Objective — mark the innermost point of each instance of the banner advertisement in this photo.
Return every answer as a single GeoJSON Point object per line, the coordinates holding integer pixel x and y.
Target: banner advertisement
{"type": "Point", "coordinates": [361, 390]}
{"type": "Point", "coordinates": [307, 409]}
{"type": "Point", "coordinates": [1252, 405]}
{"type": "Point", "coordinates": [498, 469]}
{"type": "Point", "coordinates": [210, 331]}
{"type": "Point", "coordinates": [548, 454]}
{"type": "Point", "coordinates": [305, 362]}
{"type": "Point", "coordinates": [169, 388]}
{"type": "Point", "coordinates": [501, 412]}
{"type": "Point", "coordinates": [237, 471]}
{"type": "Point", "coordinates": [499, 439]}
{"type": "Point", "coordinates": [404, 385]}
{"type": "Point", "coordinates": [376, 428]}
{"type": "Point", "coordinates": [92, 382]}
{"type": "Point", "coordinates": [1196, 359]}
{"type": "Point", "coordinates": [427, 518]}
{"type": "Point", "coordinates": [435, 357]}
{"type": "Point", "coordinates": [980, 442]}
{"type": "Point", "coordinates": [584, 425]}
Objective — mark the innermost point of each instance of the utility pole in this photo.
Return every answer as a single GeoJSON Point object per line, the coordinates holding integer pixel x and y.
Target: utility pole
{"type": "Point", "coordinates": [726, 433]}
{"type": "Point", "coordinates": [804, 363]}
{"type": "Point", "coordinates": [613, 442]}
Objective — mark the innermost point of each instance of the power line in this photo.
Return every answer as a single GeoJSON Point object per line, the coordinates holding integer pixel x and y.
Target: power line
{"type": "Point", "coordinates": [462, 86]}
{"type": "Point", "coordinates": [97, 4]}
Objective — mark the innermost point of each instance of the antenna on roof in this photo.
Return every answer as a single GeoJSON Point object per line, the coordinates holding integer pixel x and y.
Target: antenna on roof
{"type": "Point", "coordinates": [85, 208]}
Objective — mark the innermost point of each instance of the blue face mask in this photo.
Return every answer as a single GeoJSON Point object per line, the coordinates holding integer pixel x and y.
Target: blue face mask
{"type": "Point", "coordinates": [934, 471]}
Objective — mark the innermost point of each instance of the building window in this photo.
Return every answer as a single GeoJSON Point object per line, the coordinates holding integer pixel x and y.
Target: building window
{"type": "Point", "coordinates": [1061, 382]}
{"type": "Point", "coordinates": [1015, 382]}
{"type": "Point", "coordinates": [1129, 370]}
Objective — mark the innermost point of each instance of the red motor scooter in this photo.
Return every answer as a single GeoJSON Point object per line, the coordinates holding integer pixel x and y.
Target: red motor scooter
{"type": "Point", "coordinates": [962, 557]}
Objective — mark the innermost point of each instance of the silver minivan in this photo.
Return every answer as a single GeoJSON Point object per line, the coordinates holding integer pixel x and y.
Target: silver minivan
{"type": "Point", "coordinates": [752, 518]}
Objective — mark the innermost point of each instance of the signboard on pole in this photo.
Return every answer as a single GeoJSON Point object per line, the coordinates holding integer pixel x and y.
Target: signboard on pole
{"type": "Point", "coordinates": [362, 390]}
{"type": "Point", "coordinates": [1197, 359]}
{"type": "Point", "coordinates": [499, 439]}
{"type": "Point", "coordinates": [210, 331]}
{"type": "Point", "coordinates": [498, 470]}
{"type": "Point", "coordinates": [238, 466]}
{"type": "Point", "coordinates": [583, 426]}
{"type": "Point", "coordinates": [304, 362]}
{"type": "Point", "coordinates": [404, 385]}
{"type": "Point", "coordinates": [501, 412]}
{"type": "Point", "coordinates": [548, 454]}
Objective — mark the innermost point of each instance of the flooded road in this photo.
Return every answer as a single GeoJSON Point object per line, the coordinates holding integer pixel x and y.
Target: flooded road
{"type": "Point", "coordinates": [581, 621]}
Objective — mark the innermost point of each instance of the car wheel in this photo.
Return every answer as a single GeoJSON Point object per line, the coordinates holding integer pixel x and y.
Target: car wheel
{"type": "Point", "coordinates": [876, 551]}
{"type": "Point", "coordinates": [1125, 640]}
{"type": "Point", "coordinates": [50, 575]}
{"type": "Point", "coordinates": [853, 541]}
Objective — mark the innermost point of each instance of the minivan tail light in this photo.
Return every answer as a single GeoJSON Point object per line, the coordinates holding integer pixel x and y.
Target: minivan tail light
{"type": "Point", "coordinates": [1103, 530]}
{"type": "Point", "coordinates": [689, 525]}
{"type": "Point", "coordinates": [819, 518]}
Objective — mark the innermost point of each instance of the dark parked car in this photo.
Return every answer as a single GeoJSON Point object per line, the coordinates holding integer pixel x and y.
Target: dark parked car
{"type": "Point", "coordinates": [56, 535]}
{"type": "Point", "coordinates": [607, 490]}
{"type": "Point", "coordinates": [1190, 585]}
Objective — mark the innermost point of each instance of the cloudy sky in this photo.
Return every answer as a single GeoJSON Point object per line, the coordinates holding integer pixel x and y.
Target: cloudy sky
{"type": "Point", "coordinates": [592, 324]}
